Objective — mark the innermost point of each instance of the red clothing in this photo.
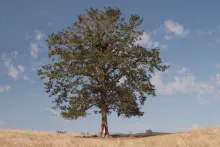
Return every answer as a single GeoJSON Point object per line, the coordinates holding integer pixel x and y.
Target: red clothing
{"type": "Point", "coordinates": [102, 128]}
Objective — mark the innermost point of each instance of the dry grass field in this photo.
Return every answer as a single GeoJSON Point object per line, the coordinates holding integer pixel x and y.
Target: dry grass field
{"type": "Point", "coordinates": [207, 137]}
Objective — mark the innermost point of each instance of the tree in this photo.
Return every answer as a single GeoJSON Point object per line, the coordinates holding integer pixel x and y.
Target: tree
{"type": "Point", "coordinates": [97, 63]}
{"type": "Point", "coordinates": [149, 132]}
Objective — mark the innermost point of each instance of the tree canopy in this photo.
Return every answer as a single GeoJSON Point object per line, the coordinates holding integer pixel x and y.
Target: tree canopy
{"type": "Point", "coordinates": [97, 63]}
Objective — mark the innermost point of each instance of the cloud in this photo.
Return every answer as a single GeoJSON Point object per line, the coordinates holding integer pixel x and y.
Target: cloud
{"type": "Point", "coordinates": [218, 66]}
{"type": "Point", "coordinates": [21, 68]}
{"type": "Point", "coordinates": [13, 72]}
{"type": "Point", "coordinates": [146, 41]}
{"type": "Point", "coordinates": [218, 79]}
{"type": "Point", "coordinates": [184, 83]}
{"type": "Point", "coordinates": [182, 71]}
{"type": "Point", "coordinates": [39, 43]}
{"type": "Point", "coordinates": [4, 88]}
{"type": "Point", "coordinates": [173, 29]}
{"type": "Point", "coordinates": [39, 35]}
{"type": "Point", "coordinates": [34, 49]}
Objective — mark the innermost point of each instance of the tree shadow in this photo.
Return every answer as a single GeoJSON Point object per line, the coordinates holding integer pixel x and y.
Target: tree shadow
{"type": "Point", "coordinates": [123, 136]}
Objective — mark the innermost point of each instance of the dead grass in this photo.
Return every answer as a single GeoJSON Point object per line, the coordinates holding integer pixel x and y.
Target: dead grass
{"type": "Point", "coordinates": [207, 137]}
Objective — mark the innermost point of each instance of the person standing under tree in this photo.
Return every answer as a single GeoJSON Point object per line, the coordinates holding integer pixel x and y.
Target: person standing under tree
{"type": "Point", "coordinates": [103, 127]}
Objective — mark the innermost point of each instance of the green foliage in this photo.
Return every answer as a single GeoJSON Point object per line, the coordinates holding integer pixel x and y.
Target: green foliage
{"type": "Point", "coordinates": [89, 59]}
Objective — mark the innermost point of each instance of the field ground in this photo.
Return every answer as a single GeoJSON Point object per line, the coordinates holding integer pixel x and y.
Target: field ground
{"type": "Point", "coordinates": [207, 137]}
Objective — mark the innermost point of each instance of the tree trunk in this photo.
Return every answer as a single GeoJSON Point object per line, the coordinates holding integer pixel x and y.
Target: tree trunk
{"type": "Point", "coordinates": [104, 120]}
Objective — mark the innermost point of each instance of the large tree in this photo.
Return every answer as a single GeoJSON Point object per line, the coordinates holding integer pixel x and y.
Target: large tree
{"type": "Point", "coordinates": [97, 63]}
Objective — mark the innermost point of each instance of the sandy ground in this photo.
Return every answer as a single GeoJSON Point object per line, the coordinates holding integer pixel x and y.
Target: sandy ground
{"type": "Point", "coordinates": [207, 137]}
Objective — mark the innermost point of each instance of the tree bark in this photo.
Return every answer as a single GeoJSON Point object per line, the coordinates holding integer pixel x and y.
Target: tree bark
{"type": "Point", "coordinates": [105, 120]}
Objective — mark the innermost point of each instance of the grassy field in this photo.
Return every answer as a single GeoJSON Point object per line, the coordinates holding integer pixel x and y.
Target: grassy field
{"type": "Point", "coordinates": [207, 137]}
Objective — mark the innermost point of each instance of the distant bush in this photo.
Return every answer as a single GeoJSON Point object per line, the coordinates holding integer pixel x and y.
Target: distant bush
{"type": "Point", "coordinates": [149, 132]}
{"type": "Point", "coordinates": [61, 132]}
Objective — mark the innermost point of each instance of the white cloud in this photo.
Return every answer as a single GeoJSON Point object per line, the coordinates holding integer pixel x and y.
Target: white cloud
{"type": "Point", "coordinates": [39, 35]}
{"type": "Point", "coordinates": [21, 68]}
{"type": "Point", "coordinates": [4, 88]}
{"type": "Point", "coordinates": [184, 83]}
{"type": "Point", "coordinates": [34, 50]}
{"type": "Point", "coordinates": [173, 29]}
{"type": "Point", "coordinates": [218, 78]}
{"type": "Point", "coordinates": [182, 71]}
{"type": "Point", "coordinates": [156, 44]}
{"type": "Point", "coordinates": [39, 43]}
{"type": "Point", "coordinates": [146, 41]}
{"type": "Point", "coordinates": [13, 72]}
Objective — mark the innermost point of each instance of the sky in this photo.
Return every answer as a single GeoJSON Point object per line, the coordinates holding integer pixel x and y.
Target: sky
{"type": "Point", "coordinates": [187, 32]}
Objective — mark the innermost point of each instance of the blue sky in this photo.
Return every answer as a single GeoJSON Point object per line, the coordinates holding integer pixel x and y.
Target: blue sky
{"type": "Point", "coordinates": [188, 94]}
